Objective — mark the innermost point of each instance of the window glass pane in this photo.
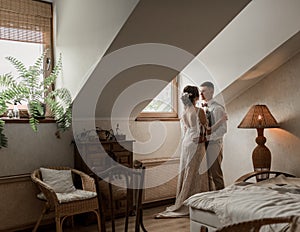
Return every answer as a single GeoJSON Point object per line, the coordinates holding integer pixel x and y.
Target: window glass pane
{"type": "Point", "coordinates": [162, 102]}
{"type": "Point", "coordinates": [26, 52]}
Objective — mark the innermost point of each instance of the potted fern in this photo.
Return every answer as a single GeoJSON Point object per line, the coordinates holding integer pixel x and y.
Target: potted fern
{"type": "Point", "coordinates": [28, 86]}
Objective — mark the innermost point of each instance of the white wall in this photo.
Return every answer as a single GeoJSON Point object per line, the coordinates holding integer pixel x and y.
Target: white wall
{"type": "Point", "coordinates": [84, 31]}
{"type": "Point", "coordinates": [280, 92]}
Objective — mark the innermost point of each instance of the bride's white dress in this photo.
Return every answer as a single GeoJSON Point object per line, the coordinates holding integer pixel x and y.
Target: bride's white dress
{"type": "Point", "coordinates": [192, 176]}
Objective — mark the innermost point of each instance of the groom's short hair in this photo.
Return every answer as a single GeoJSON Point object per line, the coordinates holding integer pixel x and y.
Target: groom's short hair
{"type": "Point", "coordinates": [208, 84]}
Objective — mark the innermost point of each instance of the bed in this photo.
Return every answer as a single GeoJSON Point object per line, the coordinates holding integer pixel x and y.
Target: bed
{"type": "Point", "coordinates": [276, 194]}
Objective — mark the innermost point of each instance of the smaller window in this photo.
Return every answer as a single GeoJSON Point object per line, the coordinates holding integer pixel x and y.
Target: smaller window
{"type": "Point", "coordinates": [163, 106]}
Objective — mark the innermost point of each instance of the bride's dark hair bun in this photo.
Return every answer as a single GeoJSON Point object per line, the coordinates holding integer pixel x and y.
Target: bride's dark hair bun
{"type": "Point", "coordinates": [189, 94]}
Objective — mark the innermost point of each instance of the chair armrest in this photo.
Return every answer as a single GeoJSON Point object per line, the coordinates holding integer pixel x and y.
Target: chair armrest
{"type": "Point", "coordinates": [46, 190]}
{"type": "Point", "coordinates": [250, 175]}
{"type": "Point", "coordinates": [88, 183]}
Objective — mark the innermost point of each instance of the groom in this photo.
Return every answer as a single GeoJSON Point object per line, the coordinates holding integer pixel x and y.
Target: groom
{"type": "Point", "coordinates": [214, 145]}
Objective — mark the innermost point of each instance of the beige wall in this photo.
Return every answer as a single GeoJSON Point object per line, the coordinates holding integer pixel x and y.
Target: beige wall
{"type": "Point", "coordinates": [280, 92]}
{"type": "Point", "coordinates": [19, 205]}
{"type": "Point", "coordinates": [28, 150]}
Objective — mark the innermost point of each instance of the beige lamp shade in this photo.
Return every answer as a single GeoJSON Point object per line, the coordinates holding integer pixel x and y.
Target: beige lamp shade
{"type": "Point", "coordinates": [259, 116]}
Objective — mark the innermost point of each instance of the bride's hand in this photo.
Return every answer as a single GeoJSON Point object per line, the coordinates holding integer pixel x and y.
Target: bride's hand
{"type": "Point", "coordinates": [224, 117]}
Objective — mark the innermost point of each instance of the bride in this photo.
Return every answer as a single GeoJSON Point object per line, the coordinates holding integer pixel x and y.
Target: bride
{"type": "Point", "coordinates": [193, 177]}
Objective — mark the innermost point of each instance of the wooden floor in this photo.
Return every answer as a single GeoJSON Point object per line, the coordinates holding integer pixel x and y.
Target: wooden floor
{"type": "Point", "coordinates": [151, 224]}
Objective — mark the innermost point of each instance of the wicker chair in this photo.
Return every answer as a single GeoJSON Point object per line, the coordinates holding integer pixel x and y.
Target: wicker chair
{"type": "Point", "coordinates": [255, 225]}
{"type": "Point", "coordinates": [69, 208]}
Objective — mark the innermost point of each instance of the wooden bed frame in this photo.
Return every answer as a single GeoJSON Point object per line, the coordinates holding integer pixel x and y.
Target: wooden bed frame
{"type": "Point", "coordinates": [202, 220]}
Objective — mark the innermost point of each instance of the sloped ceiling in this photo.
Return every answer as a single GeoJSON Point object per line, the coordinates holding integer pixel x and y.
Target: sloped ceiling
{"type": "Point", "coordinates": [189, 25]}
{"type": "Point", "coordinates": [239, 42]}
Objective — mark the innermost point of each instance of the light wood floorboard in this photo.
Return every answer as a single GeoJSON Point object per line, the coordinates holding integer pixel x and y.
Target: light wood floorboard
{"type": "Point", "coordinates": [151, 224]}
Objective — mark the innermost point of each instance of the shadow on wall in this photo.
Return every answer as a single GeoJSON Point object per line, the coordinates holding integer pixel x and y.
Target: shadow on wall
{"type": "Point", "coordinates": [290, 125]}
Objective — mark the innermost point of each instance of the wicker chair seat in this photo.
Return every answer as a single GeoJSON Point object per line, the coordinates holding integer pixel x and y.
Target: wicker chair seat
{"type": "Point", "coordinates": [77, 195]}
{"type": "Point", "coordinates": [67, 204]}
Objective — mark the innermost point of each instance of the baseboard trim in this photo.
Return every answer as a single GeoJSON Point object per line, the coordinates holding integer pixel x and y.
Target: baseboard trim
{"type": "Point", "coordinates": [159, 203]}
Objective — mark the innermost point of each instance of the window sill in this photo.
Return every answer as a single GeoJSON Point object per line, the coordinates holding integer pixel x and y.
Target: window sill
{"type": "Point", "coordinates": [155, 119]}
{"type": "Point", "coordinates": [26, 120]}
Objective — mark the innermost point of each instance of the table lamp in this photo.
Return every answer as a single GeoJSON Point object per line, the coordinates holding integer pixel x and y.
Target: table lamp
{"type": "Point", "coordinates": [260, 117]}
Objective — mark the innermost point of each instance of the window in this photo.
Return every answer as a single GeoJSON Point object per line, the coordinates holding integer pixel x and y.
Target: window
{"type": "Point", "coordinates": [25, 32]}
{"type": "Point", "coordinates": [26, 21]}
{"type": "Point", "coordinates": [163, 106]}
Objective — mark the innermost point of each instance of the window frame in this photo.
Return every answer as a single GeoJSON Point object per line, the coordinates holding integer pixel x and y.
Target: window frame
{"type": "Point", "coordinates": [31, 9]}
{"type": "Point", "coordinates": [164, 116]}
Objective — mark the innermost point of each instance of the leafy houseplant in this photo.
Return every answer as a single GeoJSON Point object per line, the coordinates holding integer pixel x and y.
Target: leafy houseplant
{"type": "Point", "coordinates": [38, 92]}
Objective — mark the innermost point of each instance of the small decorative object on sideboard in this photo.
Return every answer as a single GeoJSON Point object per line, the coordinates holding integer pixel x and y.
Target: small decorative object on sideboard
{"type": "Point", "coordinates": [119, 135]}
{"type": "Point", "coordinates": [103, 135]}
{"type": "Point", "coordinates": [16, 112]}
{"type": "Point", "coordinates": [10, 113]}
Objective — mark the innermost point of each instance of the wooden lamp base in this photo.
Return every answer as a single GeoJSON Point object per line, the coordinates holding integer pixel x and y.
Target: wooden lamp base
{"type": "Point", "coordinates": [261, 156]}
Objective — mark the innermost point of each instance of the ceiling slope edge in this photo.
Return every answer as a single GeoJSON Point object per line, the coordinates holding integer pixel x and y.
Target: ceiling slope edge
{"type": "Point", "coordinates": [255, 43]}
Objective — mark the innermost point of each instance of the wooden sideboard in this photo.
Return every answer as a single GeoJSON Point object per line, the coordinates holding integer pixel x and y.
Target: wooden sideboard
{"type": "Point", "coordinates": [99, 159]}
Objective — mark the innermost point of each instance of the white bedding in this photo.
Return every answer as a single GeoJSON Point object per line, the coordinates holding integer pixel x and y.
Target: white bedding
{"type": "Point", "coordinates": [279, 196]}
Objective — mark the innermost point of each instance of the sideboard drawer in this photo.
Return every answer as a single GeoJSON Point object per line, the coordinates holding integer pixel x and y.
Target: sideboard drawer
{"type": "Point", "coordinates": [117, 147]}
{"type": "Point", "coordinates": [123, 157]}
{"type": "Point", "coordinates": [106, 146]}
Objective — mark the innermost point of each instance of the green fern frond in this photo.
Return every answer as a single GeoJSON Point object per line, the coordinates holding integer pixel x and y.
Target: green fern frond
{"type": "Point", "coordinates": [33, 77]}
{"type": "Point", "coordinates": [17, 93]}
{"type": "Point", "coordinates": [3, 106]}
{"type": "Point", "coordinates": [65, 120]}
{"type": "Point", "coordinates": [33, 123]}
{"type": "Point", "coordinates": [7, 80]}
{"type": "Point", "coordinates": [36, 109]}
{"type": "Point", "coordinates": [62, 94]}
{"type": "Point", "coordinates": [37, 67]}
{"type": "Point", "coordinates": [56, 109]}
{"type": "Point", "coordinates": [3, 138]}
{"type": "Point", "coordinates": [57, 68]}
{"type": "Point", "coordinates": [49, 81]}
{"type": "Point", "coordinates": [19, 66]}
{"type": "Point", "coordinates": [61, 107]}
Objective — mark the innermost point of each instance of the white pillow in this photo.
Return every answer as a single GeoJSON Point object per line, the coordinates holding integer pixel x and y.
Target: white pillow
{"type": "Point", "coordinates": [60, 180]}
